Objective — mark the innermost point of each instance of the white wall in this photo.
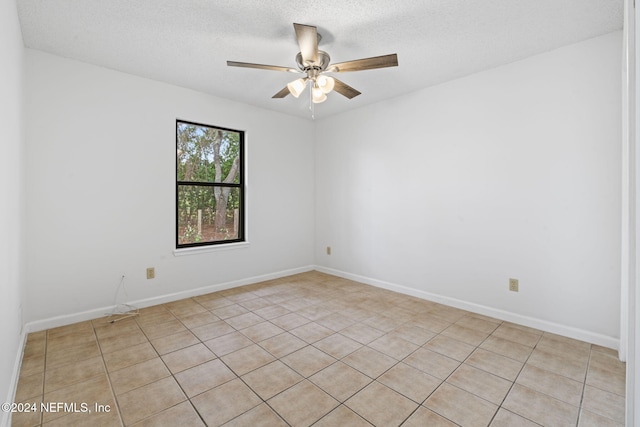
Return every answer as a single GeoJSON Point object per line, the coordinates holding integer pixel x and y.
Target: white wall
{"type": "Point", "coordinates": [11, 206]}
{"type": "Point", "coordinates": [101, 188]}
{"type": "Point", "coordinates": [512, 172]}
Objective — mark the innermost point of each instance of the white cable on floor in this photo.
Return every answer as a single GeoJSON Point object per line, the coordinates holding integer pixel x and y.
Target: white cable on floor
{"type": "Point", "coordinates": [123, 310]}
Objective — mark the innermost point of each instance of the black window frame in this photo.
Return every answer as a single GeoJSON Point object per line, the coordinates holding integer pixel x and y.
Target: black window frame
{"type": "Point", "coordinates": [240, 185]}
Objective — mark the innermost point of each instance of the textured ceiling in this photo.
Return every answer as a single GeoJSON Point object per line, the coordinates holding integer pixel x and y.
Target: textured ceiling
{"type": "Point", "coordinates": [188, 42]}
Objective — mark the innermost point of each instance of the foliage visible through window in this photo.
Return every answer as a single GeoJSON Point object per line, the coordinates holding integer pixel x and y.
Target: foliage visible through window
{"type": "Point", "coordinates": [209, 190]}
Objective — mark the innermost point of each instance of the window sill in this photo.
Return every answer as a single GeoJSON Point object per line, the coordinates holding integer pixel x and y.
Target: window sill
{"type": "Point", "coordinates": [212, 248]}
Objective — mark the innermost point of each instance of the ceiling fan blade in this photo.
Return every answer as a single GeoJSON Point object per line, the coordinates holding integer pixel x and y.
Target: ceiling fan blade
{"type": "Point", "coordinates": [284, 92]}
{"type": "Point", "coordinates": [308, 41]}
{"type": "Point", "coordinates": [261, 66]}
{"type": "Point", "coordinates": [344, 89]}
{"type": "Point", "coordinates": [365, 64]}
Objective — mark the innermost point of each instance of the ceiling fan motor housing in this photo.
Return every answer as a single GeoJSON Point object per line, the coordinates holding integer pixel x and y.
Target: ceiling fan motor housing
{"type": "Point", "coordinates": [320, 65]}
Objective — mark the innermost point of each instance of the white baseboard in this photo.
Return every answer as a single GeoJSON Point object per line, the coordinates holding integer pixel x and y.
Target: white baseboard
{"type": "Point", "coordinates": [5, 418]}
{"type": "Point", "coordinates": [67, 319]}
{"type": "Point", "coordinates": [543, 325]}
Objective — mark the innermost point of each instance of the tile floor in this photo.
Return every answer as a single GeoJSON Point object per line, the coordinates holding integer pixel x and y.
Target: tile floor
{"type": "Point", "coordinates": [313, 349]}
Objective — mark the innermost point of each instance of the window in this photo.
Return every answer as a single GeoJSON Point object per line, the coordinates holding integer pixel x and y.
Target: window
{"type": "Point", "coordinates": [209, 185]}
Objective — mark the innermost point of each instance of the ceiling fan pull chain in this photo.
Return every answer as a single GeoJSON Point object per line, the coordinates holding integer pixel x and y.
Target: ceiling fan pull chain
{"type": "Point", "coordinates": [311, 105]}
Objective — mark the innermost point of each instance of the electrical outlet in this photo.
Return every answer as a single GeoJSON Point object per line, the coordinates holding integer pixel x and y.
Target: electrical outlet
{"type": "Point", "coordinates": [328, 250]}
{"type": "Point", "coordinates": [513, 285]}
{"type": "Point", "coordinates": [151, 273]}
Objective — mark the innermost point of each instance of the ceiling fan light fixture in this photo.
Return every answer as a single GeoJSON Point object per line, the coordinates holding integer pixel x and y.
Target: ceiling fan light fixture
{"type": "Point", "coordinates": [317, 94]}
{"type": "Point", "coordinates": [296, 87]}
{"type": "Point", "coordinates": [326, 83]}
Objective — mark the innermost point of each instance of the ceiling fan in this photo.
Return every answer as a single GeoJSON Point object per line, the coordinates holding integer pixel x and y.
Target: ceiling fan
{"type": "Point", "coordinates": [315, 63]}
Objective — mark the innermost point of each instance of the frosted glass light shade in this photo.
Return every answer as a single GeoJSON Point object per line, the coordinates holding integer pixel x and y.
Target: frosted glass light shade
{"type": "Point", "coordinates": [326, 83]}
{"type": "Point", "coordinates": [318, 95]}
{"type": "Point", "coordinates": [296, 87]}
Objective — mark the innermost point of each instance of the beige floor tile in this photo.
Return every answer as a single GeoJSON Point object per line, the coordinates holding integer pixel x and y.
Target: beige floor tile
{"type": "Point", "coordinates": [261, 331]}
{"type": "Point", "coordinates": [308, 360]}
{"type": "Point", "coordinates": [204, 377]}
{"type": "Point", "coordinates": [311, 332]}
{"type": "Point", "coordinates": [271, 379]}
{"type": "Point", "coordinates": [260, 416]}
{"type": "Point", "coordinates": [479, 323]}
{"type": "Point", "coordinates": [119, 342]}
{"type": "Point", "coordinates": [607, 372]}
{"type": "Point", "coordinates": [413, 334]}
{"type": "Point", "coordinates": [336, 322]}
{"type": "Point", "coordinates": [32, 365]}
{"type": "Point", "coordinates": [283, 344]}
{"type": "Point", "coordinates": [589, 419]}
{"type": "Point", "coordinates": [247, 359]}
{"type": "Point", "coordinates": [380, 405]}
{"type": "Point", "coordinates": [187, 357]}
{"type": "Point", "coordinates": [229, 311]}
{"type": "Point", "coordinates": [539, 407]}
{"type": "Point", "coordinates": [362, 333]}
{"type": "Point", "coordinates": [450, 347]}
{"type": "Point", "coordinates": [369, 361]}
{"type": "Point", "coordinates": [552, 342]}
{"type": "Point", "coordinates": [271, 312]}
{"type": "Point", "coordinates": [255, 304]}
{"type": "Point", "coordinates": [157, 330]}
{"type": "Point", "coordinates": [228, 343]}
{"type": "Point", "coordinates": [74, 373]}
{"type": "Point", "coordinates": [483, 384]}
{"type": "Point", "coordinates": [315, 312]}
{"type": "Point", "coordinates": [290, 321]}
{"type": "Point", "coordinates": [495, 364]}
{"type": "Point", "coordinates": [423, 417]}
{"type": "Point", "coordinates": [157, 314]}
{"type": "Point", "coordinates": [450, 314]}
{"type": "Point", "coordinates": [562, 388]}
{"type": "Point", "coordinates": [143, 402]}
{"type": "Point", "coordinates": [340, 380]}
{"type": "Point", "coordinates": [302, 404]}
{"type": "Point", "coordinates": [370, 329]}
{"type": "Point", "coordinates": [432, 363]}
{"type": "Point", "coordinates": [174, 342]}
{"type": "Point", "coordinates": [94, 390]}
{"type": "Point", "coordinates": [410, 382]}
{"type": "Point", "coordinates": [182, 415]}
{"type": "Point", "coordinates": [243, 321]}
{"type": "Point", "coordinates": [461, 407]}
{"type": "Point", "coordinates": [225, 402]}
{"type": "Point", "coordinates": [342, 416]}
{"type": "Point", "coordinates": [72, 354]}
{"type": "Point", "coordinates": [138, 375]}
{"type": "Point", "coordinates": [28, 418]}
{"type": "Point", "coordinates": [107, 417]}
{"type": "Point", "coordinates": [104, 328]}
{"type": "Point", "coordinates": [506, 418]}
{"type": "Point", "coordinates": [213, 302]}
{"type": "Point", "coordinates": [393, 346]}
{"type": "Point", "coordinates": [383, 323]}
{"type": "Point", "coordinates": [212, 330]}
{"type": "Point", "coordinates": [604, 403]}
{"type": "Point", "coordinates": [129, 356]}
{"type": "Point", "coordinates": [429, 322]}
{"type": "Point", "coordinates": [504, 347]}
{"type": "Point", "coordinates": [185, 307]}
{"type": "Point", "coordinates": [29, 386]}
{"type": "Point", "coordinates": [566, 366]}
{"type": "Point", "coordinates": [466, 335]}
{"type": "Point", "coordinates": [198, 319]}
{"type": "Point", "coordinates": [337, 345]}
{"type": "Point", "coordinates": [511, 333]}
